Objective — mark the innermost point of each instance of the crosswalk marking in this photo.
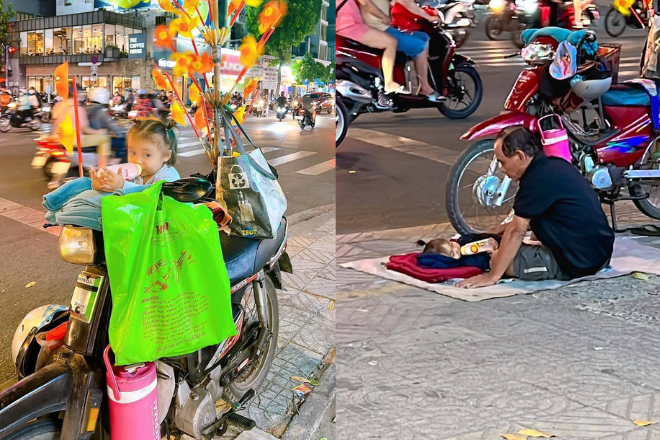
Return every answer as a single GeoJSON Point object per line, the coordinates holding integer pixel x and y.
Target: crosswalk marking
{"type": "Point", "coordinates": [290, 157]}
{"type": "Point", "coordinates": [192, 153]}
{"type": "Point", "coordinates": [319, 168]}
{"type": "Point", "coordinates": [186, 145]}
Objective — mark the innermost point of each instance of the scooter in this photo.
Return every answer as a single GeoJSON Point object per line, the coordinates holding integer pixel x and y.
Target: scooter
{"type": "Point", "coordinates": [616, 148]}
{"type": "Point", "coordinates": [64, 394]}
{"type": "Point", "coordinates": [281, 113]}
{"type": "Point", "coordinates": [11, 118]}
{"type": "Point", "coordinates": [360, 83]}
{"type": "Point", "coordinates": [308, 119]}
{"type": "Point", "coordinates": [616, 22]}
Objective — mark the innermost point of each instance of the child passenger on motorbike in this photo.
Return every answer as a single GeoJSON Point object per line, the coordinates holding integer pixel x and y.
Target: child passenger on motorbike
{"type": "Point", "coordinates": [351, 25]}
{"type": "Point", "coordinates": [151, 145]}
{"type": "Point", "coordinates": [414, 44]}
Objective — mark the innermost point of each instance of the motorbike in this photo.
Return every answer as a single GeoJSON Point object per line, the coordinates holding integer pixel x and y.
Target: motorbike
{"type": "Point", "coordinates": [260, 107]}
{"type": "Point", "coordinates": [295, 107]}
{"type": "Point", "coordinates": [308, 119]}
{"type": "Point", "coordinates": [52, 158]}
{"type": "Point", "coordinates": [459, 19]}
{"type": "Point", "coordinates": [610, 129]}
{"type": "Point", "coordinates": [281, 113]}
{"type": "Point", "coordinates": [360, 84]}
{"type": "Point", "coordinates": [616, 22]}
{"type": "Point", "coordinates": [118, 111]}
{"type": "Point", "coordinates": [504, 18]}
{"type": "Point", "coordinates": [62, 398]}
{"type": "Point", "coordinates": [12, 118]}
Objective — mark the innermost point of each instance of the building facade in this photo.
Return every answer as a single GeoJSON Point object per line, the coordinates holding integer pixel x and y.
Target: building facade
{"type": "Point", "coordinates": [317, 43]}
{"type": "Point", "coordinates": [26, 9]}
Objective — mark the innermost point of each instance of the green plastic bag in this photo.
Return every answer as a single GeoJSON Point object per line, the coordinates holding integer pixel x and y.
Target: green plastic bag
{"type": "Point", "coordinates": [170, 289]}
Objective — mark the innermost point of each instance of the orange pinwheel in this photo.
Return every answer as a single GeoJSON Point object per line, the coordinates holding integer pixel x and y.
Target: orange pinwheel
{"type": "Point", "coordinates": [201, 64]}
{"type": "Point", "coordinates": [249, 51]}
{"type": "Point", "coordinates": [194, 95]}
{"type": "Point", "coordinates": [167, 6]}
{"type": "Point", "coordinates": [272, 15]}
{"type": "Point", "coordinates": [252, 85]}
{"type": "Point", "coordinates": [62, 80]}
{"type": "Point", "coordinates": [164, 37]}
{"type": "Point", "coordinates": [200, 119]}
{"type": "Point", "coordinates": [66, 133]}
{"type": "Point", "coordinates": [233, 6]}
{"type": "Point", "coordinates": [159, 79]}
{"type": "Point", "coordinates": [182, 65]}
{"type": "Point", "coordinates": [623, 6]}
{"type": "Point", "coordinates": [177, 114]}
{"type": "Point", "coordinates": [240, 114]}
{"type": "Point", "coordinates": [185, 26]}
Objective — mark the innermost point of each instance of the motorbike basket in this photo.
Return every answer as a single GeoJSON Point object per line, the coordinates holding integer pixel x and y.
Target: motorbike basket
{"type": "Point", "coordinates": [610, 55]}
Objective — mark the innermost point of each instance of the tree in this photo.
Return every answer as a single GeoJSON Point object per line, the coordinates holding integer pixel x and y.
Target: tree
{"type": "Point", "coordinates": [5, 16]}
{"type": "Point", "coordinates": [300, 21]}
{"type": "Point", "coordinates": [328, 73]}
{"type": "Point", "coordinates": [307, 69]}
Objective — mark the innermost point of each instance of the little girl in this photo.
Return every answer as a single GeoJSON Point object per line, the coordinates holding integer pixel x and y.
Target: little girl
{"type": "Point", "coordinates": [152, 146]}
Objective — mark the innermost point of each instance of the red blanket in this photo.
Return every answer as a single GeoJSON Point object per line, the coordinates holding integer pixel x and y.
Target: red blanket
{"type": "Point", "coordinates": [407, 264]}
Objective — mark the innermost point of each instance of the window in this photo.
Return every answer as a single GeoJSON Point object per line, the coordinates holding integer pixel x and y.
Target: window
{"type": "Point", "coordinates": [49, 42]}
{"type": "Point", "coordinates": [77, 39]}
{"type": "Point", "coordinates": [97, 38]}
{"type": "Point", "coordinates": [24, 44]}
{"type": "Point", "coordinates": [35, 40]}
{"type": "Point", "coordinates": [110, 35]}
{"type": "Point", "coordinates": [121, 38]}
{"type": "Point", "coordinates": [62, 41]}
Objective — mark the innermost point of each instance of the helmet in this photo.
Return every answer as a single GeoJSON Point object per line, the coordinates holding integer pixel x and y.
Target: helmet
{"type": "Point", "coordinates": [23, 91]}
{"type": "Point", "coordinates": [34, 322]}
{"type": "Point", "coordinates": [590, 87]}
{"type": "Point", "coordinates": [99, 95]}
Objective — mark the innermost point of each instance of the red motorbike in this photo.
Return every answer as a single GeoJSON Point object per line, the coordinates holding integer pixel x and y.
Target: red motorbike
{"type": "Point", "coordinates": [360, 84]}
{"type": "Point", "coordinates": [613, 141]}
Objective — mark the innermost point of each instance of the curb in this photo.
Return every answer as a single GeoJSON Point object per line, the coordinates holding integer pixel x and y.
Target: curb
{"type": "Point", "coordinates": [309, 214]}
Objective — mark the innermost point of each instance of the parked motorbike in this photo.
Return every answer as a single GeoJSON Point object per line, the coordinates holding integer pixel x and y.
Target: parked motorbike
{"type": "Point", "coordinates": [615, 148]}
{"type": "Point", "coordinates": [62, 398]}
{"type": "Point", "coordinates": [308, 119]}
{"type": "Point", "coordinates": [360, 84]}
{"type": "Point", "coordinates": [616, 22]}
{"type": "Point", "coordinates": [12, 118]}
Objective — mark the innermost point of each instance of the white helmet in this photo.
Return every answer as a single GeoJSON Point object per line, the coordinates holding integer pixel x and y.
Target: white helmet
{"type": "Point", "coordinates": [591, 88]}
{"type": "Point", "coordinates": [39, 317]}
{"type": "Point", "coordinates": [100, 95]}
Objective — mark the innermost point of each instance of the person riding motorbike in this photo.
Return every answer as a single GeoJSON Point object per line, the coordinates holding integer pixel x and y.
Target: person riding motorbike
{"type": "Point", "coordinates": [413, 44]}
{"type": "Point", "coordinates": [350, 24]}
{"type": "Point", "coordinates": [24, 105]}
{"type": "Point", "coordinates": [99, 119]}
{"type": "Point", "coordinates": [309, 111]}
{"type": "Point", "coordinates": [130, 101]}
{"type": "Point", "coordinates": [144, 106]}
{"type": "Point", "coordinates": [282, 101]}
{"type": "Point", "coordinates": [5, 100]}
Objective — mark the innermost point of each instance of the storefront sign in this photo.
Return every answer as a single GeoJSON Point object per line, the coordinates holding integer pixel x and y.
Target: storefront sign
{"type": "Point", "coordinates": [121, 5]}
{"type": "Point", "coordinates": [137, 46]}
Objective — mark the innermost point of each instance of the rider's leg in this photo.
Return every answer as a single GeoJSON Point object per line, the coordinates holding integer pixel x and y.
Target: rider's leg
{"type": "Point", "coordinates": [422, 66]}
{"type": "Point", "coordinates": [102, 143]}
{"type": "Point", "coordinates": [416, 46]}
{"type": "Point", "coordinates": [380, 40]}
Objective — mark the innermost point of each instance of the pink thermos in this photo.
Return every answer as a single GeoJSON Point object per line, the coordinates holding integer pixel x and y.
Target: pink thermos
{"type": "Point", "coordinates": [133, 400]}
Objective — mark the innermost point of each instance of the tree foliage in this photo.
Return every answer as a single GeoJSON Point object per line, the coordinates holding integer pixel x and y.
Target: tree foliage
{"type": "Point", "coordinates": [307, 69]}
{"type": "Point", "coordinates": [300, 21]}
{"type": "Point", "coordinates": [5, 16]}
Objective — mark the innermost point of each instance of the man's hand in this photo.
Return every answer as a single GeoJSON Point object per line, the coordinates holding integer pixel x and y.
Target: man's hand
{"type": "Point", "coordinates": [483, 280]}
{"type": "Point", "coordinates": [110, 181]}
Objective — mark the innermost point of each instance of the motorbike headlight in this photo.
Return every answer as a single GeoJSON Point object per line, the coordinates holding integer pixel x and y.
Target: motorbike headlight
{"type": "Point", "coordinates": [530, 7]}
{"type": "Point", "coordinates": [76, 245]}
{"type": "Point", "coordinates": [496, 5]}
{"type": "Point", "coordinates": [12, 105]}
{"type": "Point", "coordinates": [45, 109]}
{"type": "Point", "coordinates": [538, 54]}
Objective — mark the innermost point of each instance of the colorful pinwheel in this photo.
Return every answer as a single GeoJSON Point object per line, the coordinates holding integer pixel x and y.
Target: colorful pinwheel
{"type": "Point", "coordinates": [201, 63]}
{"type": "Point", "coordinates": [185, 26]}
{"type": "Point", "coordinates": [164, 37]}
{"type": "Point", "coordinates": [252, 85]}
{"type": "Point", "coordinates": [249, 51]}
{"type": "Point", "coordinates": [272, 15]}
{"type": "Point", "coordinates": [62, 80]}
{"type": "Point", "coordinates": [67, 134]}
{"type": "Point", "coordinates": [178, 114]}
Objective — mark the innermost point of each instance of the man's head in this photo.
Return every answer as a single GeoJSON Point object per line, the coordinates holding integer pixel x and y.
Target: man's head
{"type": "Point", "coordinates": [282, 94]}
{"type": "Point", "coordinates": [515, 147]}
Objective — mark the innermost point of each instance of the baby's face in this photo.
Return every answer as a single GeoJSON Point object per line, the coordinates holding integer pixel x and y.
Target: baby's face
{"type": "Point", "coordinates": [148, 154]}
{"type": "Point", "coordinates": [455, 251]}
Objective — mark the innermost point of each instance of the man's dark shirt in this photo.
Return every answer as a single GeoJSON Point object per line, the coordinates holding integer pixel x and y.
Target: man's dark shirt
{"type": "Point", "coordinates": [565, 215]}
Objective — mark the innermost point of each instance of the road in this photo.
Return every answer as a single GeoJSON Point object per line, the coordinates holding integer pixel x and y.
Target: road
{"type": "Point", "coordinates": [392, 168]}
{"type": "Point", "coordinates": [305, 162]}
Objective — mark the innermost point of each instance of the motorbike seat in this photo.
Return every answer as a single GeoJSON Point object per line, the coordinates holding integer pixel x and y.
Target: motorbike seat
{"type": "Point", "coordinates": [624, 95]}
{"type": "Point", "coordinates": [244, 257]}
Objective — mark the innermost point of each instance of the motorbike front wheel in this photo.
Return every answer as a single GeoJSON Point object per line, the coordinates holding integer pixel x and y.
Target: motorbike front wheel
{"type": "Point", "coordinates": [341, 122]}
{"type": "Point", "coordinates": [465, 93]}
{"type": "Point", "coordinates": [494, 27]}
{"type": "Point", "coordinates": [255, 375]}
{"type": "Point", "coordinates": [615, 23]}
{"type": "Point", "coordinates": [42, 429]}
{"type": "Point", "coordinates": [34, 124]}
{"type": "Point", "coordinates": [5, 125]}
{"type": "Point", "coordinates": [470, 181]}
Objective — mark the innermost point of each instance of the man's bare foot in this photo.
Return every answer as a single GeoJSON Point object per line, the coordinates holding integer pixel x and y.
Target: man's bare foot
{"type": "Point", "coordinates": [393, 87]}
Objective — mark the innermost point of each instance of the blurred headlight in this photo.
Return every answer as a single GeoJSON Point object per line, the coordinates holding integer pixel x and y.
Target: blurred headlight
{"type": "Point", "coordinates": [12, 105]}
{"type": "Point", "coordinates": [45, 109]}
{"type": "Point", "coordinates": [496, 5]}
{"type": "Point", "coordinates": [76, 245]}
{"type": "Point", "coordinates": [538, 54]}
{"type": "Point", "coordinates": [530, 7]}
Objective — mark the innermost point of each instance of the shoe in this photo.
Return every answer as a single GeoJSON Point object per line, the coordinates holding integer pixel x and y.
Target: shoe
{"type": "Point", "coordinates": [436, 97]}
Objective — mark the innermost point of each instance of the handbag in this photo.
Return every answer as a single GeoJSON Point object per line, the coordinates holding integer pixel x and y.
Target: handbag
{"type": "Point", "coordinates": [247, 188]}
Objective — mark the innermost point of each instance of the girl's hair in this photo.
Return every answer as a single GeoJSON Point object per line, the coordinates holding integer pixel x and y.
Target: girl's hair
{"type": "Point", "coordinates": [156, 130]}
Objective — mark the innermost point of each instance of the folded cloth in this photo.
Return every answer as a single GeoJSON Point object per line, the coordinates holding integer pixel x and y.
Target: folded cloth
{"type": "Point", "coordinates": [54, 201]}
{"type": "Point", "coordinates": [407, 264]}
{"type": "Point", "coordinates": [437, 261]}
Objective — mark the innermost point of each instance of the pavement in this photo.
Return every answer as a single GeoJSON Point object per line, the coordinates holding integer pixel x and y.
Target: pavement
{"type": "Point", "coordinates": [579, 362]}
{"type": "Point", "coordinates": [305, 162]}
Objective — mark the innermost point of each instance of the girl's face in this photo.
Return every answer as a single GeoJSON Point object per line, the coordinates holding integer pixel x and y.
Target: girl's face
{"type": "Point", "coordinates": [148, 154]}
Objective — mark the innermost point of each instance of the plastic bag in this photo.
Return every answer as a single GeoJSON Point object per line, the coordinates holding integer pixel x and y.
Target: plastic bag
{"type": "Point", "coordinates": [170, 288]}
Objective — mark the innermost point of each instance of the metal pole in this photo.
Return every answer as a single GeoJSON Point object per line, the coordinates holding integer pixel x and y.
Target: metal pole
{"type": "Point", "coordinates": [216, 54]}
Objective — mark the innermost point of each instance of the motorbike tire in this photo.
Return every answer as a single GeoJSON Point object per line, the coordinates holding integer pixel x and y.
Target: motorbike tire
{"type": "Point", "coordinates": [45, 118]}
{"type": "Point", "coordinates": [48, 166]}
{"type": "Point", "coordinates": [476, 101]}
{"type": "Point", "coordinates": [41, 429]}
{"type": "Point", "coordinates": [494, 27]}
{"type": "Point", "coordinates": [235, 392]}
{"type": "Point", "coordinates": [616, 17]}
{"type": "Point", "coordinates": [34, 124]}
{"type": "Point", "coordinates": [451, 195]}
{"type": "Point", "coordinates": [5, 125]}
{"type": "Point", "coordinates": [341, 122]}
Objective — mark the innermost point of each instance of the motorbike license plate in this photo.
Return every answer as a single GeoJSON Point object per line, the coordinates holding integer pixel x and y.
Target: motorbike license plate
{"type": "Point", "coordinates": [39, 161]}
{"type": "Point", "coordinates": [60, 168]}
{"type": "Point", "coordinates": [86, 294]}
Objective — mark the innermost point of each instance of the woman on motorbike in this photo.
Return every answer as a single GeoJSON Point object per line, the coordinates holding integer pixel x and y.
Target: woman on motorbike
{"type": "Point", "coordinates": [351, 25]}
{"type": "Point", "coordinates": [415, 44]}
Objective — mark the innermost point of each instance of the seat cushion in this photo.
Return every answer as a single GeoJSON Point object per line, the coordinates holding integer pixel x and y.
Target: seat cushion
{"type": "Point", "coordinates": [244, 257]}
{"type": "Point", "coordinates": [626, 96]}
